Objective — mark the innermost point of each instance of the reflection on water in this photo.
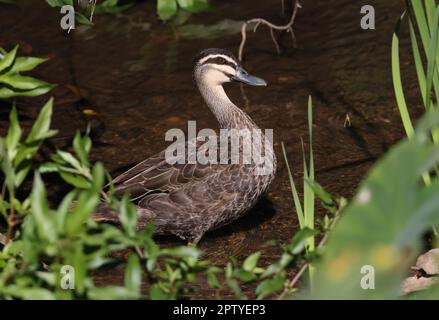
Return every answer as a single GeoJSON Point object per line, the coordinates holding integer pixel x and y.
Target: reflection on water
{"type": "Point", "coordinates": [134, 72]}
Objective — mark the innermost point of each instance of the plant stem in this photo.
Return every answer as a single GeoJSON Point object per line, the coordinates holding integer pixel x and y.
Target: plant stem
{"type": "Point", "coordinates": [11, 219]}
{"type": "Point", "coordinates": [302, 270]}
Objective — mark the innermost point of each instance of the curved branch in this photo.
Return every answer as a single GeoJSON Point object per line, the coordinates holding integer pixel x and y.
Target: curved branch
{"type": "Point", "coordinates": [288, 27]}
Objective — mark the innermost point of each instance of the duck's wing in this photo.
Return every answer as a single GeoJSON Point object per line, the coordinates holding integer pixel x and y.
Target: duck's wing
{"type": "Point", "coordinates": [157, 175]}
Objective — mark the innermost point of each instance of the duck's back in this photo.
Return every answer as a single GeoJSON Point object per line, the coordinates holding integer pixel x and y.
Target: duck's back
{"type": "Point", "coordinates": [189, 199]}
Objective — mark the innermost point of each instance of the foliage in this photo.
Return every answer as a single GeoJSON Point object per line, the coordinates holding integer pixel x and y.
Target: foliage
{"type": "Point", "coordinates": [41, 239]}
{"type": "Point", "coordinates": [381, 230]}
{"type": "Point", "coordinates": [384, 224]}
{"type": "Point", "coordinates": [85, 16]}
{"type": "Point", "coordinates": [305, 214]}
{"type": "Point", "coordinates": [12, 83]}
{"type": "Point", "coordinates": [166, 9]}
{"type": "Point", "coordinates": [426, 18]}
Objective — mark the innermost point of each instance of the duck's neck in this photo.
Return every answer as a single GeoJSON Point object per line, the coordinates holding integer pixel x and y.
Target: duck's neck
{"type": "Point", "coordinates": [226, 112]}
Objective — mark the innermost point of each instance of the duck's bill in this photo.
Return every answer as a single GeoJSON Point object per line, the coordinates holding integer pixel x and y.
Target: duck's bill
{"type": "Point", "coordinates": [244, 77]}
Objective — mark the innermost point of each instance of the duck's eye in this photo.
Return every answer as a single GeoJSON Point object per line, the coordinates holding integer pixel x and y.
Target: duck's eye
{"type": "Point", "coordinates": [222, 61]}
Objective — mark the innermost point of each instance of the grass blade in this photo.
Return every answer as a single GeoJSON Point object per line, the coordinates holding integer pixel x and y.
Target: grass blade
{"type": "Point", "coordinates": [418, 64]}
{"type": "Point", "coordinates": [431, 57]}
{"type": "Point", "coordinates": [296, 198]}
{"type": "Point", "coordinates": [397, 83]}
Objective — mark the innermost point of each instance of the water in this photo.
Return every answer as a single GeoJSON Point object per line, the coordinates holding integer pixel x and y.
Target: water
{"type": "Point", "coordinates": [130, 77]}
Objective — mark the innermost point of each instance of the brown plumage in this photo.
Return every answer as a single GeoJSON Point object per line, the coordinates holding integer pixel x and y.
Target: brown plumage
{"type": "Point", "coordinates": [188, 200]}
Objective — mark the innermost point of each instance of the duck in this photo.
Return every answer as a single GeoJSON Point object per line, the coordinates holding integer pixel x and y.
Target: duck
{"type": "Point", "coordinates": [189, 199]}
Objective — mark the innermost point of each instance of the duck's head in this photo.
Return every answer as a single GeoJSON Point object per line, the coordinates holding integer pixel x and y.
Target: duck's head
{"type": "Point", "coordinates": [215, 67]}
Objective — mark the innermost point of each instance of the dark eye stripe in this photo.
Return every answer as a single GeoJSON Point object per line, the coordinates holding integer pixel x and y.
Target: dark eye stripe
{"type": "Point", "coordinates": [220, 61]}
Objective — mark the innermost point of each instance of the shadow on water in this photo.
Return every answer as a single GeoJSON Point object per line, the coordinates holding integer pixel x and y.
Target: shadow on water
{"type": "Point", "coordinates": [130, 78]}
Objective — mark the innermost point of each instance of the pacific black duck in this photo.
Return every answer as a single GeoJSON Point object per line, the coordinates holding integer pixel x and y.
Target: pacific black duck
{"type": "Point", "coordinates": [187, 200]}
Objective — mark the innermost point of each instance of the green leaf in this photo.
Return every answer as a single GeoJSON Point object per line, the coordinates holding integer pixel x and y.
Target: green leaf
{"type": "Point", "coordinates": [82, 19]}
{"type": "Point", "coordinates": [251, 261]}
{"type": "Point", "coordinates": [98, 176]}
{"type": "Point", "coordinates": [166, 9]}
{"type": "Point", "coordinates": [197, 6]}
{"type": "Point", "coordinates": [40, 130]}
{"type": "Point", "coordinates": [295, 194]}
{"type": "Point", "coordinates": [185, 3]}
{"type": "Point", "coordinates": [133, 274]}
{"type": "Point", "coordinates": [41, 127]}
{"type": "Point", "coordinates": [156, 293]}
{"type": "Point", "coordinates": [19, 82]}
{"type": "Point", "coordinates": [8, 93]}
{"type": "Point", "coordinates": [244, 276]}
{"type": "Point", "coordinates": [397, 82]}
{"type": "Point", "coordinates": [9, 172]}
{"type": "Point", "coordinates": [234, 286]}
{"type": "Point", "coordinates": [87, 202]}
{"type": "Point", "coordinates": [431, 57]}
{"type": "Point", "coordinates": [270, 286]}
{"type": "Point", "coordinates": [8, 60]}
{"type": "Point", "coordinates": [323, 195]}
{"type": "Point", "coordinates": [63, 209]}
{"type": "Point", "coordinates": [112, 7]}
{"type": "Point", "coordinates": [70, 159]}
{"type": "Point", "coordinates": [14, 134]}
{"type": "Point", "coordinates": [111, 293]}
{"type": "Point", "coordinates": [182, 252]}
{"type": "Point", "coordinates": [23, 64]}
{"type": "Point", "coordinates": [82, 146]}
{"type": "Point", "coordinates": [299, 240]}
{"type": "Point", "coordinates": [28, 293]}
{"type": "Point", "coordinates": [278, 266]}
{"type": "Point", "coordinates": [212, 280]}
{"type": "Point", "coordinates": [75, 180]}
{"type": "Point", "coordinates": [128, 216]}
{"type": "Point", "coordinates": [44, 220]}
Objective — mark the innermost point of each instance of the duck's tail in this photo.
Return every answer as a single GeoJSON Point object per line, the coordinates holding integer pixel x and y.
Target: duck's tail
{"type": "Point", "coordinates": [105, 214]}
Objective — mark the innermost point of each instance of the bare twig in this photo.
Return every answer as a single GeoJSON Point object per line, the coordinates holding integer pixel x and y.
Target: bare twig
{"type": "Point", "coordinates": [288, 27]}
{"type": "Point", "coordinates": [93, 10]}
{"type": "Point", "coordinates": [302, 270]}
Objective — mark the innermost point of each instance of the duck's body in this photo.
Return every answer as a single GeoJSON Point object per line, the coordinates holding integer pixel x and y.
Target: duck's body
{"type": "Point", "coordinates": [188, 200]}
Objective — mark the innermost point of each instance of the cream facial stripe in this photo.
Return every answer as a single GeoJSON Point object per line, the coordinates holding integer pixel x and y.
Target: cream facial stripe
{"type": "Point", "coordinates": [213, 56]}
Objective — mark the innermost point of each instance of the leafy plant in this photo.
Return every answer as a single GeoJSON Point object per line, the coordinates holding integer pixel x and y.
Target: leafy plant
{"type": "Point", "coordinates": [85, 16]}
{"type": "Point", "coordinates": [41, 240]}
{"type": "Point", "coordinates": [12, 83]}
{"type": "Point", "coordinates": [112, 6]}
{"type": "Point", "coordinates": [166, 9]}
{"type": "Point", "coordinates": [426, 19]}
{"type": "Point", "coordinates": [305, 214]}
{"type": "Point", "coordinates": [15, 163]}
{"type": "Point", "coordinates": [382, 228]}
